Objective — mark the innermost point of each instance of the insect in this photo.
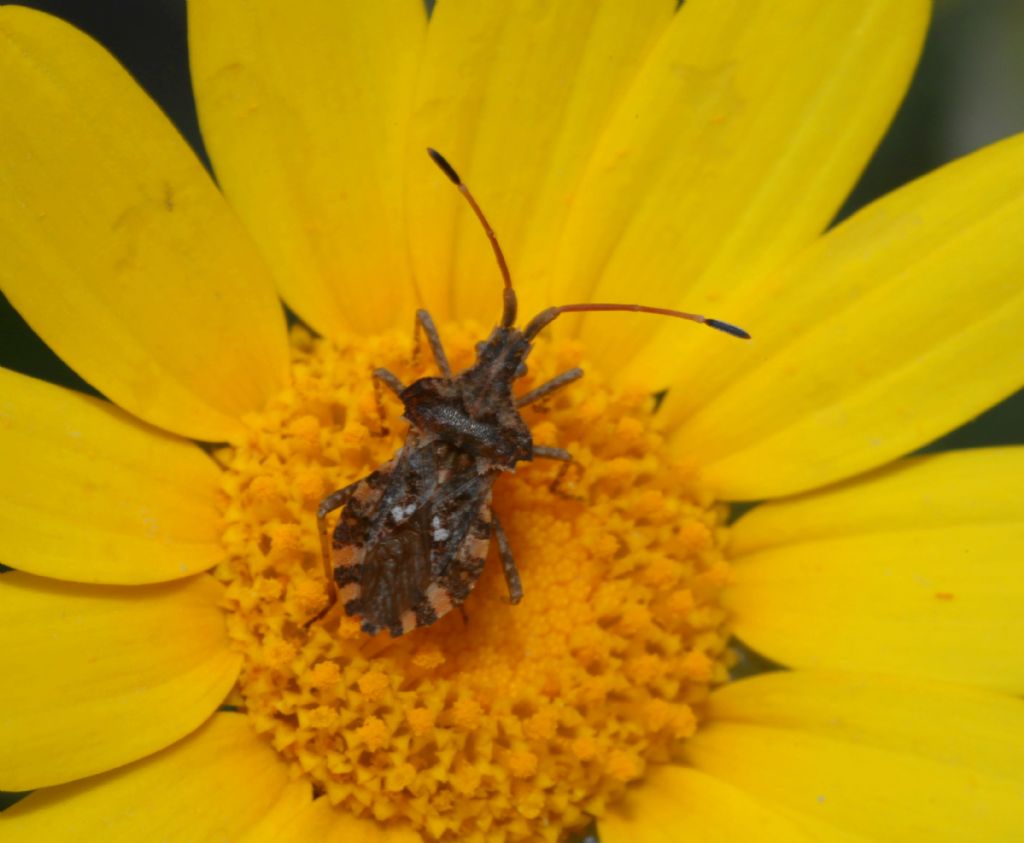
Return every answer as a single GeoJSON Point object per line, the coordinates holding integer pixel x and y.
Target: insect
{"type": "Point", "coordinates": [412, 537]}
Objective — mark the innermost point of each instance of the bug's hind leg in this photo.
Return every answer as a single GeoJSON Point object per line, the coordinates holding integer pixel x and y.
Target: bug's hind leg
{"type": "Point", "coordinates": [545, 389]}
{"type": "Point", "coordinates": [425, 322]}
{"type": "Point", "coordinates": [508, 563]}
{"type": "Point", "coordinates": [333, 501]}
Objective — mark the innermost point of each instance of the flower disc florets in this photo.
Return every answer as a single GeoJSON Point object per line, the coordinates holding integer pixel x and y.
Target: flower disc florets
{"type": "Point", "coordinates": [505, 722]}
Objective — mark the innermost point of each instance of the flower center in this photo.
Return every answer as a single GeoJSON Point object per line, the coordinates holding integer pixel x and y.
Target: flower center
{"type": "Point", "coordinates": [500, 722]}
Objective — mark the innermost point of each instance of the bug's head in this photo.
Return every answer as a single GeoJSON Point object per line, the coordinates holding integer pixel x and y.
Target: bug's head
{"type": "Point", "coordinates": [546, 317]}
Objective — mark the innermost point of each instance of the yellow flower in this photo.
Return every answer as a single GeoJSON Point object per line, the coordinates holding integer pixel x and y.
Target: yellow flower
{"type": "Point", "coordinates": [624, 152]}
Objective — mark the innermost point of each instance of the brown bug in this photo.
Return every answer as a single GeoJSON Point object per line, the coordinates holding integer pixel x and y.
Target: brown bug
{"type": "Point", "coordinates": [413, 536]}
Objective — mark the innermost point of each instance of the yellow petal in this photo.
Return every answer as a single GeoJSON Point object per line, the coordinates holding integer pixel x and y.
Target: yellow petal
{"type": "Point", "coordinates": [513, 94]}
{"type": "Point", "coordinates": [676, 803]}
{"type": "Point", "coordinates": [941, 603]}
{"type": "Point", "coordinates": [888, 760]}
{"type": "Point", "coordinates": [92, 495]}
{"type": "Point", "coordinates": [733, 149]}
{"type": "Point", "coordinates": [304, 117]}
{"type": "Point", "coordinates": [208, 788]}
{"type": "Point", "coordinates": [914, 571]}
{"type": "Point", "coordinates": [298, 818]}
{"type": "Point", "coordinates": [975, 486]}
{"type": "Point", "coordinates": [97, 676]}
{"type": "Point", "coordinates": [900, 324]}
{"type": "Point", "coordinates": [115, 245]}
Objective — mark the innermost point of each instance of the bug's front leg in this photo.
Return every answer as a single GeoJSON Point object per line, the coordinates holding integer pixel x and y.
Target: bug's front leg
{"type": "Point", "coordinates": [390, 379]}
{"type": "Point", "coordinates": [394, 384]}
{"type": "Point", "coordinates": [508, 563]}
{"type": "Point", "coordinates": [333, 501]}
{"type": "Point", "coordinates": [425, 322]}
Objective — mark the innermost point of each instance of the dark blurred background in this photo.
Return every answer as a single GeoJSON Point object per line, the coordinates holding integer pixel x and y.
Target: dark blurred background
{"type": "Point", "coordinates": [968, 92]}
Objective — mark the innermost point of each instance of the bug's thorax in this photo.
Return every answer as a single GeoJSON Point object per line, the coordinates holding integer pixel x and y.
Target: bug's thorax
{"type": "Point", "coordinates": [476, 411]}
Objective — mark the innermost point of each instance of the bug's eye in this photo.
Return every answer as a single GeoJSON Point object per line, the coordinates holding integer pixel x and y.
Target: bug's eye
{"type": "Point", "coordinates": [522, 370]}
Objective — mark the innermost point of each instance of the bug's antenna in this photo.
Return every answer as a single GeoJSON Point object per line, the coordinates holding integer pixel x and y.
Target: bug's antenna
{"type": "Point", "coordinates": [509, 316]}
{"type": "Point", "coordinates": [546, 317]}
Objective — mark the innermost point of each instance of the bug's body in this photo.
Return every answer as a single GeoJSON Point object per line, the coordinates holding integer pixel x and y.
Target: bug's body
{"type": "Point", "coordinates": [412, 539]}
{"type": "Point", "coordinates": [413, 536]}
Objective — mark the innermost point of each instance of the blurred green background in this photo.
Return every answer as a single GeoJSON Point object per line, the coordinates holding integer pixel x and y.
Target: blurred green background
{"type": "Point", "coordinates": [969, 91]}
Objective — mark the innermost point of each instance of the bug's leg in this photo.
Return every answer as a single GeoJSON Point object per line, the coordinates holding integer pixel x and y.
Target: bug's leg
{"type": "Point", "coordinates": [548, 453]}
{"type": "Point", "coordinates": [394, 384]}
{"type": "Point", "coordinates": [508, 564]}
{"type": "Point", "coordinates": [333, 501]}
{"type": "Point", "coordinates": [426, 322]}
{"type": "Point", "coordinates": [556, 485]}
{"type": "Point", "coordinates": [390, 379]}
{"type": "Point", "coordinates": [557, 382]}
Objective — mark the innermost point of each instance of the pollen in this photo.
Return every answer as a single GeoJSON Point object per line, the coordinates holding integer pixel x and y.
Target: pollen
{"type": "Point", "coordinates": [373, 684]}
{"type": "Point", "coordinates": [500, 722]}
{"type": "Point", "coordinates": [324, 675]}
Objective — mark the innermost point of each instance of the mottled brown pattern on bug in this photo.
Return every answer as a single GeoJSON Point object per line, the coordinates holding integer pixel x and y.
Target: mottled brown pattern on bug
{"type": "Point", "coordinates": [414, 535]}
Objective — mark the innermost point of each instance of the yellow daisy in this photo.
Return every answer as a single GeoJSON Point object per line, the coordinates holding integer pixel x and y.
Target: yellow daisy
{"type": "Point", "coordinates": [160, 681]}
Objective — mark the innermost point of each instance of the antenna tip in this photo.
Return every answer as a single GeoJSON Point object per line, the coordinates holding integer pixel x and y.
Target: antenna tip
{"type": "Point", "coordinates": [446, 168]}
{"type": "Point", "coordinates": [727, 328]}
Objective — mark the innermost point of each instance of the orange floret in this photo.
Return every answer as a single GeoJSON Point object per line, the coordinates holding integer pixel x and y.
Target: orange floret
{"type": "Point", "coordinates": [373, 684]}
{"type": "Point", "coordinates": [323, 675]}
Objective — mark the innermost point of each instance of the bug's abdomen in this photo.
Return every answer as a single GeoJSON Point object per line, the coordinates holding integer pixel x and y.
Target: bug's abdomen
{"type": "Point", "coordinates": [454, 584]}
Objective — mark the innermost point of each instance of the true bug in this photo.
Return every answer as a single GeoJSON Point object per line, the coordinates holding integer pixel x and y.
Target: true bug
{"type": "Point", "coordinates": [413, 536]}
